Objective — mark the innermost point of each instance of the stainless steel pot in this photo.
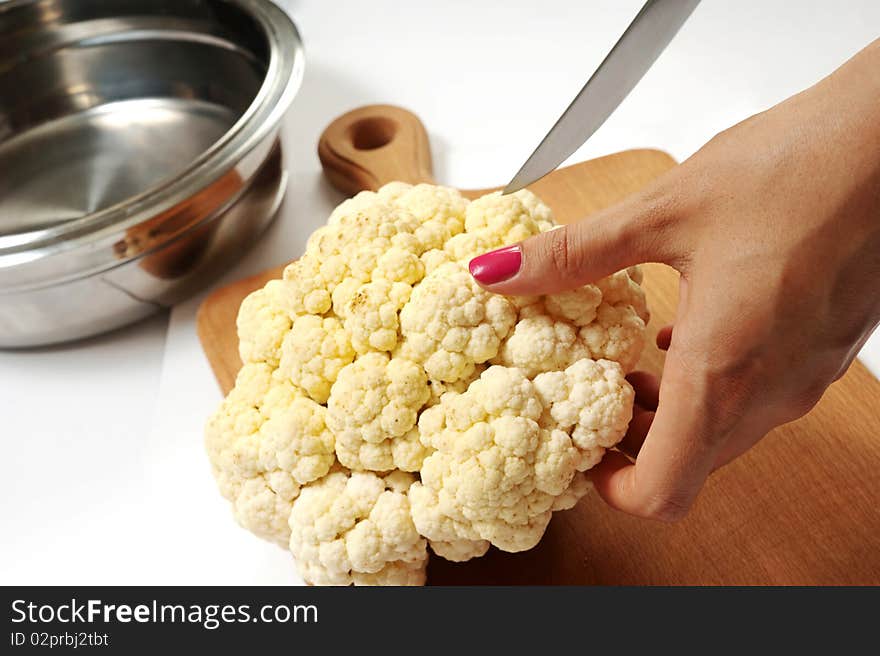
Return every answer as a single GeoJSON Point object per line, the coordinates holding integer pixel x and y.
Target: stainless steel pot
{"type": "Point", "coordinates": [139, 153]}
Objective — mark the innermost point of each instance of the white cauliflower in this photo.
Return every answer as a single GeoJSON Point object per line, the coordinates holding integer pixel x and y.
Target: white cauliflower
{"type": "Point", "coordinates": [618, 334]}
{"type": "Point", "coordinates": [307, 287]}
{"type": "Point", "coordinates": [371, 315]}
{"type": "Point", "coordinates": [603, 320]}
{"type": "Point", "coordinates": [495, 472]}
{"type": "Point", "coordinates": [264, 442]}
{"type": "Point", "coordinates": [357, 529]}
{"type": "Point", "coordinates": [590, 400]}
{"type": "Point", "coordinates": [452, 324]}
{"type": "Point", "coordinates": [440, 210]}
{"type": "Point", "coordinates": [313, 352]}
{"type": "Point", "coordinates": [506, 218]}
{"type": "Point", "coordinates": [494, 220]}
{"type": "Point", "coordinates": [541, 343]}
{"type": "Point", "coordinates": [374, 403]}
{"type": "Point", "coordinates": [360, 236]}
{"type": "Point", "coordinates": [388, 403]}
{"type": "Point", "coordinates": [262, 323]}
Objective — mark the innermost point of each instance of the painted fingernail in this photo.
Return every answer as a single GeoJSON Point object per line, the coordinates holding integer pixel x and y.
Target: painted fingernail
{"type": "Point", "coordinates": [496, 266]}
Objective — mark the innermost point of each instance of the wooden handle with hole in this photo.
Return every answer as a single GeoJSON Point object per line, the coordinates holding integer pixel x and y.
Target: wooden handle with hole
{"type": "Point", "coordinates": [373, 145]}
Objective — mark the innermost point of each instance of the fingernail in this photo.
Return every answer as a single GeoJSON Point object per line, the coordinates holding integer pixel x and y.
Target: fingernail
{"type": "Point", "coordinates": [496, 266]}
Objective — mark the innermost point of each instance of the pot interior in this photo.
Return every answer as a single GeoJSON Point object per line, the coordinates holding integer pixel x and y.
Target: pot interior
{"type": "Point", "coordinates": [100, 101]}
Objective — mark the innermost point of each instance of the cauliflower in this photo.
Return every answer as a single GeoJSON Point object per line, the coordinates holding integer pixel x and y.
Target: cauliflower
{"type": "Point", "coordinates": [495, 220]}
{"type": "Point", "coordinates": [388, 403]}
{"type": "Point", "coordinates": [373, 404]}
{"type": "Point", "coordinates": [371, 315]}
{"type": "Point", "coordinates": [592, 401]}
{"type": "Point", "coordinates": [357, 529]}
{"type": "Point", "coordinates": [358, 238]}
{"type": "Point", "coordinates": [313, 352]}
{"type": "Point", "coordinates": [605, 320]}
{"type": "Point", "coordinates": [452, 324]}
{"type": "Point", "coordinates": [264, 442]}
{"type": "Point", "coordinates": [495, 472]}
{"type": "Point", "coordinates": [307, 286]}
{"type": "Point", "coordinates": [440, 210]}
{"type": "Point", "coordinates": [263, 322]}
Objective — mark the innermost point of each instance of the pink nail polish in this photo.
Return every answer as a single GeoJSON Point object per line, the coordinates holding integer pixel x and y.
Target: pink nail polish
{"type": "Point", "coordinates": [496, 266]}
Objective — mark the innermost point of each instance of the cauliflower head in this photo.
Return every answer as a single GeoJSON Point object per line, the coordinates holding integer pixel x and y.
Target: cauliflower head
{"type": "Point", "coordinates": [388, 404]}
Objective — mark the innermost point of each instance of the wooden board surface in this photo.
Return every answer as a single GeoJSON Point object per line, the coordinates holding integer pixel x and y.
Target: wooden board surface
{"type": "Point", "coordinates": [803, 507]}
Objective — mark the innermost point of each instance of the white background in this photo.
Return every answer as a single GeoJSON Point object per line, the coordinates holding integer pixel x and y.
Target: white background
{"type": "Point", "coordinates": [103, 479]}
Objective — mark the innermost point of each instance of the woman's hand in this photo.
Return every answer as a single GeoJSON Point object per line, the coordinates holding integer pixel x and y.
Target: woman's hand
{"type": "Point", "coordinates": [774, 226]}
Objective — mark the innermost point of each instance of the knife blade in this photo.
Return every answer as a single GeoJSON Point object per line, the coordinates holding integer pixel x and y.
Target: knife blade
{"type": "Point", "coordinates": [646, 37]}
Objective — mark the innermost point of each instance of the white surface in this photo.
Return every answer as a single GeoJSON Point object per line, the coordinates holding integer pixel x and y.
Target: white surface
{"type": "Point", "coordinates": [104, 479]}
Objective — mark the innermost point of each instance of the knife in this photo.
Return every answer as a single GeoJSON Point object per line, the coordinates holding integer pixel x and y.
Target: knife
{"type": "Point", "coordinates": [646, 37]}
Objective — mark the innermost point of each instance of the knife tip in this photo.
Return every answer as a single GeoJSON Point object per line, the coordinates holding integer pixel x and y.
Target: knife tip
{"type": "Point", "coordinates": [513, 186]}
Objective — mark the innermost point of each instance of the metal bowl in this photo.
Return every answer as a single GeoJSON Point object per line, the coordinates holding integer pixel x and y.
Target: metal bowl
{"type": "Point", "coordinates": [139, 153]}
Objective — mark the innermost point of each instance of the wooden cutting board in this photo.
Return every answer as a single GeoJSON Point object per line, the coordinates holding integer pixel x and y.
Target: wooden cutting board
{"type": "Point", "coordinates": [803, 507]}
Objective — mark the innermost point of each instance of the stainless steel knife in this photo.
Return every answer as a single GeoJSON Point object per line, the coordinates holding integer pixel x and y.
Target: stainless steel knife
{"type": "Point", "coordinates": [646, 37]}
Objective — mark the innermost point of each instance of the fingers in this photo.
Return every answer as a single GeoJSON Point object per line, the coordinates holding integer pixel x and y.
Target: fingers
{"type": "Point", "coordinates": [646, 387]}
{"type": "Point", "coordinates": [677, 456]}
{"type": "Point", "coordinates": [634, 231]}
{"type": "Point", "coordinates": [636, 433]}
{"type": "Point", "coordinates": [647, 390]}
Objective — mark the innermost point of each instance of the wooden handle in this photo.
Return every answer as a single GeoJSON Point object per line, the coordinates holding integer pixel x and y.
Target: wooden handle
{"type": "Point", "coordinates": [373, 145]}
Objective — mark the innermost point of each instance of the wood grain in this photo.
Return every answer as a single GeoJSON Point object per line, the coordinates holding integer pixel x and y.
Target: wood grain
{"type": "Point", "coordinates": [803, 507]}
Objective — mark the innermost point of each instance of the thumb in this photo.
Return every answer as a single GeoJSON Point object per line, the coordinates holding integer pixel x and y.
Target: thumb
{"type": "Point", "coordinates": [631, 232]}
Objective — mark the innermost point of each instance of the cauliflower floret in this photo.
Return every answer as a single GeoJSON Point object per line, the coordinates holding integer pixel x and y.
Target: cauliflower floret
{"type": "Point", "coordinates": [497, 392]}
{"type": "Point", "coordinates": [257, 396]}
{"type": "Point", "coordinates": [464, 247]}
{"type": "Point", "coordinates": [540, 343]}
{"type": "Point", "coordinates": [262, 323]}
{"type": "Point", "coordinates": [622, 288]}
{"type": "Point", "coordinates": [577, 306]}
{"type": "Point", "coordinates": [434, 259]}
{"type": "Point", "coordinates": [494, 220]}
{"type": "Point", "coordinates": [556, 330]}
{"type": "Point", "coordinates": [539, 211]}
{"type": "Point", "coordinates": [458, 551]}
{"type": "Point", "coordinates": [264, 442]}
{"type": "Point", "coordinates": [351, 206]}
{"type": "Point", "coordinates": [371, 315]}
{"type": "Point", "coordinates": [358, 530]}
{"type": "Point", "coordinates": [361, 235]}
{"type": "Point", "coordinates": [440, 210]}
{"type": "Point", "coordinates": [390, 192]}
{"type": "Point", "coordinates": [286, 434]}
{"type": "Point", "coordinates": [592, 401]}
{"type": "Point", "coordinates": [506, 218]}
{"type": "Point", "coordinates": [313, 352]}
{"type": "Point", "coordinates": [297, 441]}
{"type": "Point", "coordinates": [399, 265]}
{"type": "Point", "coordinates": [495, 473]}
{"type": "Point", "coordinates": [450, 324]}
{"type": "Point", "coordinates": [618, 333]}
{"type": "Point", "coordinates": [261, 504]}
{"type": "Point", "coordinates": [375, 402]}
{"type": "Point", "coordinates": [307, 287]}
{"type": "Point", "coordinates": [575, 491]}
